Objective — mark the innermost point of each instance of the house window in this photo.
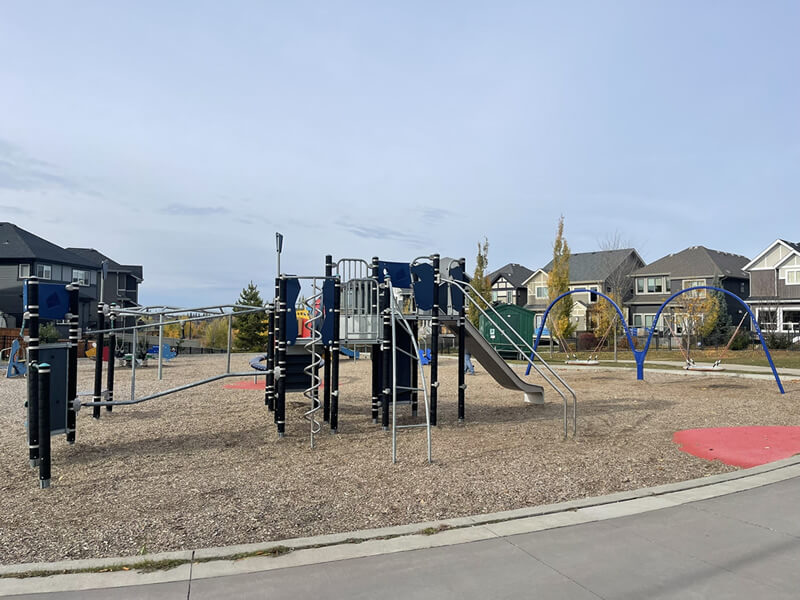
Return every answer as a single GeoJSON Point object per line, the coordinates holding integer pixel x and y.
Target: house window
{"type": "Point", "coordinates": [24, 271]}
{"type": "Point", "coordinates": [80, 277]}
{"type": "Point", "coordinates": [637, 320]}
{"type": "Point", "coordinates": [689, 283]}
{"type": "Point", "coordinates": [667, 284]}
{"type": "Point", "coordinates": [640, 285]}
{"type": "Point", "coordinates": [792, 277]}
{"type": "Point", "coordinates": [654, 285]}
{"type": "Point", "coordinates": [44, 271]}
{"type": "Point", "coordinates": [541, 291]}
{"type": "Point", "coordinates": [509, 297]}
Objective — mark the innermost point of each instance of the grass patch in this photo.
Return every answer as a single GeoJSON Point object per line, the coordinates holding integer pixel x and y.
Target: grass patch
{"type": "Point", "coordinates": [434, 530]}
{"type": "Point", "coordinates": [143, 566]}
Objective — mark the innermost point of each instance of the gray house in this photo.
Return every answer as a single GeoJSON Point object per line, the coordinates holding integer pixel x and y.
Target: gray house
{"type": "Point", "coordinates": [121, 285]}
{"type": "Point", "coordinates": [688, 268]}
{"type": "Point", "coordinates": [23, 254]}
{"type": "Point", "coordinates": [775, 287]}
{"type": "Point", "coordinates": [605, 271]}
{"type": "Point", "coordinates": [508, 284]}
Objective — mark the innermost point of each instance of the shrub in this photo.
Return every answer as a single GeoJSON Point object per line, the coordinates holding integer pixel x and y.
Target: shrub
{"type": "Point", "coordinates": [48, 333]}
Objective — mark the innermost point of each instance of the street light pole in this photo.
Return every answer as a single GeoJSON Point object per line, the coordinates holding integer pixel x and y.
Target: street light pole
{"type": "Point", "coordinates": [279, 248]}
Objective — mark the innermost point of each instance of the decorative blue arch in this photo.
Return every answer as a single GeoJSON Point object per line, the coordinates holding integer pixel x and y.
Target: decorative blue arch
{"type": "Point", "coordinates": [732, 295]}
{"type": "Point", "coordinates": [639, 355]}
{"type": "Point", "coordinates": [584, 290]}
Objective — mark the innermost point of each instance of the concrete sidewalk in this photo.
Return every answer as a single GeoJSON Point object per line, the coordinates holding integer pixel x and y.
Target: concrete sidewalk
{"type": "Point", "coordinates": [730, 536]}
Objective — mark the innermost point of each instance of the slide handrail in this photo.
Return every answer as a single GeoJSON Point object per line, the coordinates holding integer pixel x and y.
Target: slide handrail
{"type": "Point", "coordinates": [463, 284]}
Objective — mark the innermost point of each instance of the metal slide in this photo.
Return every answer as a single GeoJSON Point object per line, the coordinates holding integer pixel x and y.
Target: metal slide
{"type": "Point", "coordinates": [495, 365]}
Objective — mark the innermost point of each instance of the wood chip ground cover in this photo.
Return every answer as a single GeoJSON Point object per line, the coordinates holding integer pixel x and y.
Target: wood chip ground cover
{"type": "Point", "coordinates": [205, 467]}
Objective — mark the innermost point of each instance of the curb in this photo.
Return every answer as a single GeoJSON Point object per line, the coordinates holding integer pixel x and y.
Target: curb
{"type": "Point", "coordinates": [217, 562]}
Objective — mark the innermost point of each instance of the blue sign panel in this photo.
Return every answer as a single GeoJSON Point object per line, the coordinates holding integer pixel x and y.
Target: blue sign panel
{"type": "Point", "coordinates": [53, 300]}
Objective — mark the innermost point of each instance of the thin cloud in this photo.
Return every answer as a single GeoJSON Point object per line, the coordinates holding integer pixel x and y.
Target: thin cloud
{"type": "Point", "coordinates": [20, 172]}
{"type": "Point", "coordinates": [15, 209]}
{"type": "Point", "coordinates": [374, 232]}
{"type": "Point", "coordinates": [186, 210]}
{"type": "Point", "coordinates": [436, 215]}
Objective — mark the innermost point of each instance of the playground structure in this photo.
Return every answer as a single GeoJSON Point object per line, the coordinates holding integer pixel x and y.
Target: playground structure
{"type": "Point", "coordinates": [378, 304]}
{"type": "Point", "coordinates": [17, 365]}
{"type": "Point", "coordinates": [640, 355]}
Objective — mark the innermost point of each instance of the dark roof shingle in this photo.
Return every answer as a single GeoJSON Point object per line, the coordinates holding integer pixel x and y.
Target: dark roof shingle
{"type": "Point", "coordinates": [697, 261]}
{"type": "Point", "coordinates": [594, 266]}
{"type": "Point", "coordinates": [514, 273]}
{"type": "Point", "coordinates": [18, 244]}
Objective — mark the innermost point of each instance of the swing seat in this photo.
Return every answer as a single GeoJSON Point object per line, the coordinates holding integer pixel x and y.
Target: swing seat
{"type": "Point", "coordinates": [693, 366]}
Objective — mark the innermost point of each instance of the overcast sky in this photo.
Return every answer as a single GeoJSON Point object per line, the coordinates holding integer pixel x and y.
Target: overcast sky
{"type": "Point", "coordinates": [182, 135]}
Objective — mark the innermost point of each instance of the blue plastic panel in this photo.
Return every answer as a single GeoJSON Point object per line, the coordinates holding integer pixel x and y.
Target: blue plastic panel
{"type": "Point", "coordinates": [328, 294]}
{"type": "Point", "coordinates": [423, 285]}
{"type": "Point", "coordinates": [292, 292]}
{"type": "Point", "coordinates": [399, 272]}
{"type": "Point", "coordinates": [456, 295]}
{"type": "Point", "coordinates": [53, 300]}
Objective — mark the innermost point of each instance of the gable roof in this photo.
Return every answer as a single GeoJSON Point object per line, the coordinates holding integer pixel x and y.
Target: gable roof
{"type": "Point", "coordinates": [97, 258]}
{"type": "Point", "coordinates": [697, 261]}
{"type": "Point", "coordinates": [18, 244]}
{"type": "Point", "coordinates": [595, 266]}
{"type": "Point", "coordinates": [514, 273]}
{"type": "Point", "coordinates": [791, 245]}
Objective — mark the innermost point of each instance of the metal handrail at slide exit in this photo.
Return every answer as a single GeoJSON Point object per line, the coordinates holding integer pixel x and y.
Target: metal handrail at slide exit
{"type": "Point", "coordinates": [531, 352]}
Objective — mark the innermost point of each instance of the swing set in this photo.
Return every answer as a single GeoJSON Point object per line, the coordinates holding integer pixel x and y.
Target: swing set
{"type": "Point", "coordinates": [691, 365]}
{"type": "Point", "coordinates": [593, 358]}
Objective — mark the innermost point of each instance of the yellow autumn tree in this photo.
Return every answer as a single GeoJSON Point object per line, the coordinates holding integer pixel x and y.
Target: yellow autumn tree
{"type": "Point", "coordinates": [557, 283]}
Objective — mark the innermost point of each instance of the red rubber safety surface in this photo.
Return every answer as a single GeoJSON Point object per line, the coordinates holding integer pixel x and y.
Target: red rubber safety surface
{"type": "Point", "coordinates": [246, 385]}
{"type": "Point", "coordinates": [740, 446]}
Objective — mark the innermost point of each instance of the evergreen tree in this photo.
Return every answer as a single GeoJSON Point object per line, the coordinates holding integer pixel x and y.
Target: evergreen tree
{"type": "Point", "coordinates": [251, 327]}
{"type": "Point", "coordinates": [557, 283]}
{"type": "Point", "coordinates": [481, 284]}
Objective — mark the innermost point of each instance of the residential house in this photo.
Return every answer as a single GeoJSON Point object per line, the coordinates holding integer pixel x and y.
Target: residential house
{"type": "Point", "coordinates": [121, 286]}
{"type": "Point", "coordinates": [695, 266]}
{"type": "Point", "coordinates": [23, 255]}
{"type": "Point", "coordinates": [605, 271]}
{"type": "Point", "coordinates": [775, 287]}
{"type": "Point", "coordinates": [508, 284]}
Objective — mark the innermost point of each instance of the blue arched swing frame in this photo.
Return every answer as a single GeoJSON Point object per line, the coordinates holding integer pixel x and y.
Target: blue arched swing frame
{"type": "Point", "coordinates": [639, 355]}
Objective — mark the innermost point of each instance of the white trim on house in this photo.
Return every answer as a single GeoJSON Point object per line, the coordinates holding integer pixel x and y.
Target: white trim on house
{"type": "Point", "coordinates": [795, 275]}
{"type": "Point", "coordinates": [534, 274]}
{"type": "Point", "coordinates": [750, 266]}
{"type": "Point", "coordinates": [666, 285]}
{"type": "Point", "coordinates": [27, 271]}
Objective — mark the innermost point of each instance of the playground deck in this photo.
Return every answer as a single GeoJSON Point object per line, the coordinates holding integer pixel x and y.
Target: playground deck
{"type": "Point", "coordinates": [205, 468]}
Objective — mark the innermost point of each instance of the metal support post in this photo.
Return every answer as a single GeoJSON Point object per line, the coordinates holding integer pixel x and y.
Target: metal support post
{"type": "Point", "coordinates": [326, 356]}
{"type": "Point", "coordinates": [386, 356]}
{"type": "Point", "coordinates": [280, 377]}
{"type": "Point", "coordinates": [230, 343]}
{"type": "Point", "coordinates": [375, 354]}
{"type": "Point", "coordinates": [98, 360]}
{"type": "Point", "coordinates": [133, 362]}
{"type": "Point", "coordinates": [462, 327]}
{"type": "Point", "coordinates": [334, 384]}
{"type": "Point", "coordinates": [32, 312]}
{"type": "Point", "coordinates": [44, 425]}
{"type": "Point", "coordinates": [160, 345]}
{"type": "Point", "coordinates": [72, 360]}
{"type": "Point", "coordinates": [435, 340]}
{"type": "Point", "coordinates": [112, 345]}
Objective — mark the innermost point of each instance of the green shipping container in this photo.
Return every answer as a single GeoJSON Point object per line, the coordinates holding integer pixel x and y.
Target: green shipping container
{"type": "Point", "coordinates": [519, 319]}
